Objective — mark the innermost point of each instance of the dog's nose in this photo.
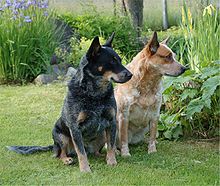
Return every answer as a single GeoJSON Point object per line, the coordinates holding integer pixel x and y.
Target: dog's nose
{"type": "Point", "coordinates": [183, 69]}
{"type": "Point", "coordinates": [127, 74]}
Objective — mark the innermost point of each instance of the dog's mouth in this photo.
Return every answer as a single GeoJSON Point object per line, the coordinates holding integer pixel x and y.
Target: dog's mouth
{"type": "Point", "coordinates": [182, 70]}
{"type": "Point", "coordinates": [121, 80]}
{"type": "Point", "coordinates": [120, 77]}
{"type": "Point", "coordinates": [172, 75]}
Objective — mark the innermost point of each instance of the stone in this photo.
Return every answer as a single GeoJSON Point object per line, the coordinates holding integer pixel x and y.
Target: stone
{"type": "Point", "coordinates": [56, 70]}
{"type": "Point", "coordinates": [70, 73]}
{"type": "Point", "coordinates": [44, 79]}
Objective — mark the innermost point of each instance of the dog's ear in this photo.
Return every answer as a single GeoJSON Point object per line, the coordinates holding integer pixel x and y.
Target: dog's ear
{"type": "Point", "coordinates": [153, 44]}
{"type": "Point", "coordinates": [165, 41]}
{"type": "Point", "coordinates": [94, 49]}
{"type": "Point", "coordinates": [108, 43]}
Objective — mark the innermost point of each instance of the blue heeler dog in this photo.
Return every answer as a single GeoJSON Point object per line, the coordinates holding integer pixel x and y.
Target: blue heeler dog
{"type": "Point", "coordinates": [88, 118]}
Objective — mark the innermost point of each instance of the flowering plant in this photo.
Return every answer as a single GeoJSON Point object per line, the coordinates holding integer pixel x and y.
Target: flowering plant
{"type": "Point", "coordinates": [27, 39]}
{"type": "Point", "coordinates": [23, 10]}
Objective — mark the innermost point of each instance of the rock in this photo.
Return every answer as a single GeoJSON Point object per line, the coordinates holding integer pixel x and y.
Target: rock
{"type": "Point", "coordinates": [58, 73]}
{"type": "Point", "coordinates": [63, 68]}
{"type": "Point", "coordinates": [44, 79]}
{"type": "Point", "coordinates": [56, 70]}
{"type": "Point", "coordinates": [70, 73]}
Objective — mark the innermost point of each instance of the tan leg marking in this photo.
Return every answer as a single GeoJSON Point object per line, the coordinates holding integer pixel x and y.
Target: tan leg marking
{"type": "Point", "coordinates": [63, 155]}
{"type": "Point", "coordinates": [83, 161]}
{"type": "Point", "coordinates": [66, 160]}
{"type": "Point", "coordinates": [81, 117]}
{"type": "Point", "coordinates": [100, 68]}
{"type": "Point", "coordinates": [110, 157]}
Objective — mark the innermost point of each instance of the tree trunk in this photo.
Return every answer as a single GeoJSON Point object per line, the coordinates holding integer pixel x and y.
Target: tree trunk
{"type": "Point", "coordinates": [205, 2]}
{"type": "Point", "coordinates": [114, 7]}
{"type": "Point", "coordinates": [135, 8]}
{"type": "Point", "coordinates": [165, 15]}
{"type": "Point", "coordinates": [218, 6]}
{"type": "Point", "coordinates": [123, 8]}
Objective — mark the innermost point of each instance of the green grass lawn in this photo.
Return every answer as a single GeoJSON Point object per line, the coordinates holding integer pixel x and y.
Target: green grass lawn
{"type": "Point", "coordinates": [27, 115]}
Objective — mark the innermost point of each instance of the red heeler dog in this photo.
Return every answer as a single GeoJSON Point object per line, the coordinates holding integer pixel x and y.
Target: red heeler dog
{"type": "Point", "coordinates": [139, 100]}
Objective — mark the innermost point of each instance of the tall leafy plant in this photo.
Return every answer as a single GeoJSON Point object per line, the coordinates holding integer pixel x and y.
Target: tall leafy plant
{"type": "Point", "coordinates": [201, 36]}
{"type": "Point", "coordinates": [192, 100]}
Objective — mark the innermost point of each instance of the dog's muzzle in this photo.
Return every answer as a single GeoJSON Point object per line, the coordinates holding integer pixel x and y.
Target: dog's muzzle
{"type": "Point", "coordinates": [123, 76]}
{"type": "Point", "coordinates": [182, 70]}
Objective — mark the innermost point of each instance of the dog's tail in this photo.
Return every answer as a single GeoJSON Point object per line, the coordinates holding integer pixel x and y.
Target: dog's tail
{"type": "Point", "coordinates": [29, 149]}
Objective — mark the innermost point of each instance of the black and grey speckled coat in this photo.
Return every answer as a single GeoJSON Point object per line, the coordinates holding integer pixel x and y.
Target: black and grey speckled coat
{"type": "Point", "coordinates": [88, 117]}
{"type": "Point", "coordinates": [89, 94]}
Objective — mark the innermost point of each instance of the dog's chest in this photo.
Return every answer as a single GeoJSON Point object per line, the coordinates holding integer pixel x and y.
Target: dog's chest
{"type": "Point", "coordinates": [96, 121]}
{"type": "Point", "coordinates": [139, 116]}
{"type": "Point", "coordinates": [145, 108]}
{"type": "Point", "coordinates": [145, 101]}
{"type": "Point", "coordinates": [94, 128]}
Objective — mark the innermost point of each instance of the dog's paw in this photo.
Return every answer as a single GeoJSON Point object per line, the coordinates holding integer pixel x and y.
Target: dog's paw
{"type": "Point", "coordinates": [125, 152]}
{"type": "Point", "coordinates": [85, 169]}
{"type": "Point", "coordinates": [84, 166]}
{"type": "Point", "coordinates": [67, 160]}
{"type": "Point", "coordinates": [111, 161]}
{"type": "Point", "coordinates": [152, 151]}
{"type": "Point", "coordinates": [152, 148]}
{"type": "Point", "coordinates": [110, 158]}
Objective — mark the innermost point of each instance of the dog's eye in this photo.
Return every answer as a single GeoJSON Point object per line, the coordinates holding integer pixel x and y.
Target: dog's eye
{"type": "Point", "coordinates": [112, 62]}
{"type": "Point", "coordinates": [169, 56]}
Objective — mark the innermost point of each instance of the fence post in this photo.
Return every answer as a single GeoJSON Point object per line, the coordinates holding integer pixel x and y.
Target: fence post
{"type": "Point", "coordinates": [165, 15]}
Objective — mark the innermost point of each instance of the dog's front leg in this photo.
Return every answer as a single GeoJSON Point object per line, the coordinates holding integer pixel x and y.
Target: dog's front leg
{"type": "Point", "coordinates": [123, 134]}
{"type": "Point", "coordinates": [80, 150]}
{"type": "Point", "coordinates": [153, 134]}
{"type": "Point", "coordinates": [111, 138]}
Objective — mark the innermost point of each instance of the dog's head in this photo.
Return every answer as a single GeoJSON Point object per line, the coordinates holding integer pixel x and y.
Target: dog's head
{"type": "Point", "coordinates": [161, 57]}
{"type": "Point", "coordinates": [104, 61]}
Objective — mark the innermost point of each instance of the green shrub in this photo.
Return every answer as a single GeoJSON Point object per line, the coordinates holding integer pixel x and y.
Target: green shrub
{"type": "Point", "coordinates": [90, 25]}
{"type": "Point", "coordinates": [79, 49]}
{"type": "Point", "coordinates": [192, 100]}
{"type": "Point", "coordinates": [28, 39]}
